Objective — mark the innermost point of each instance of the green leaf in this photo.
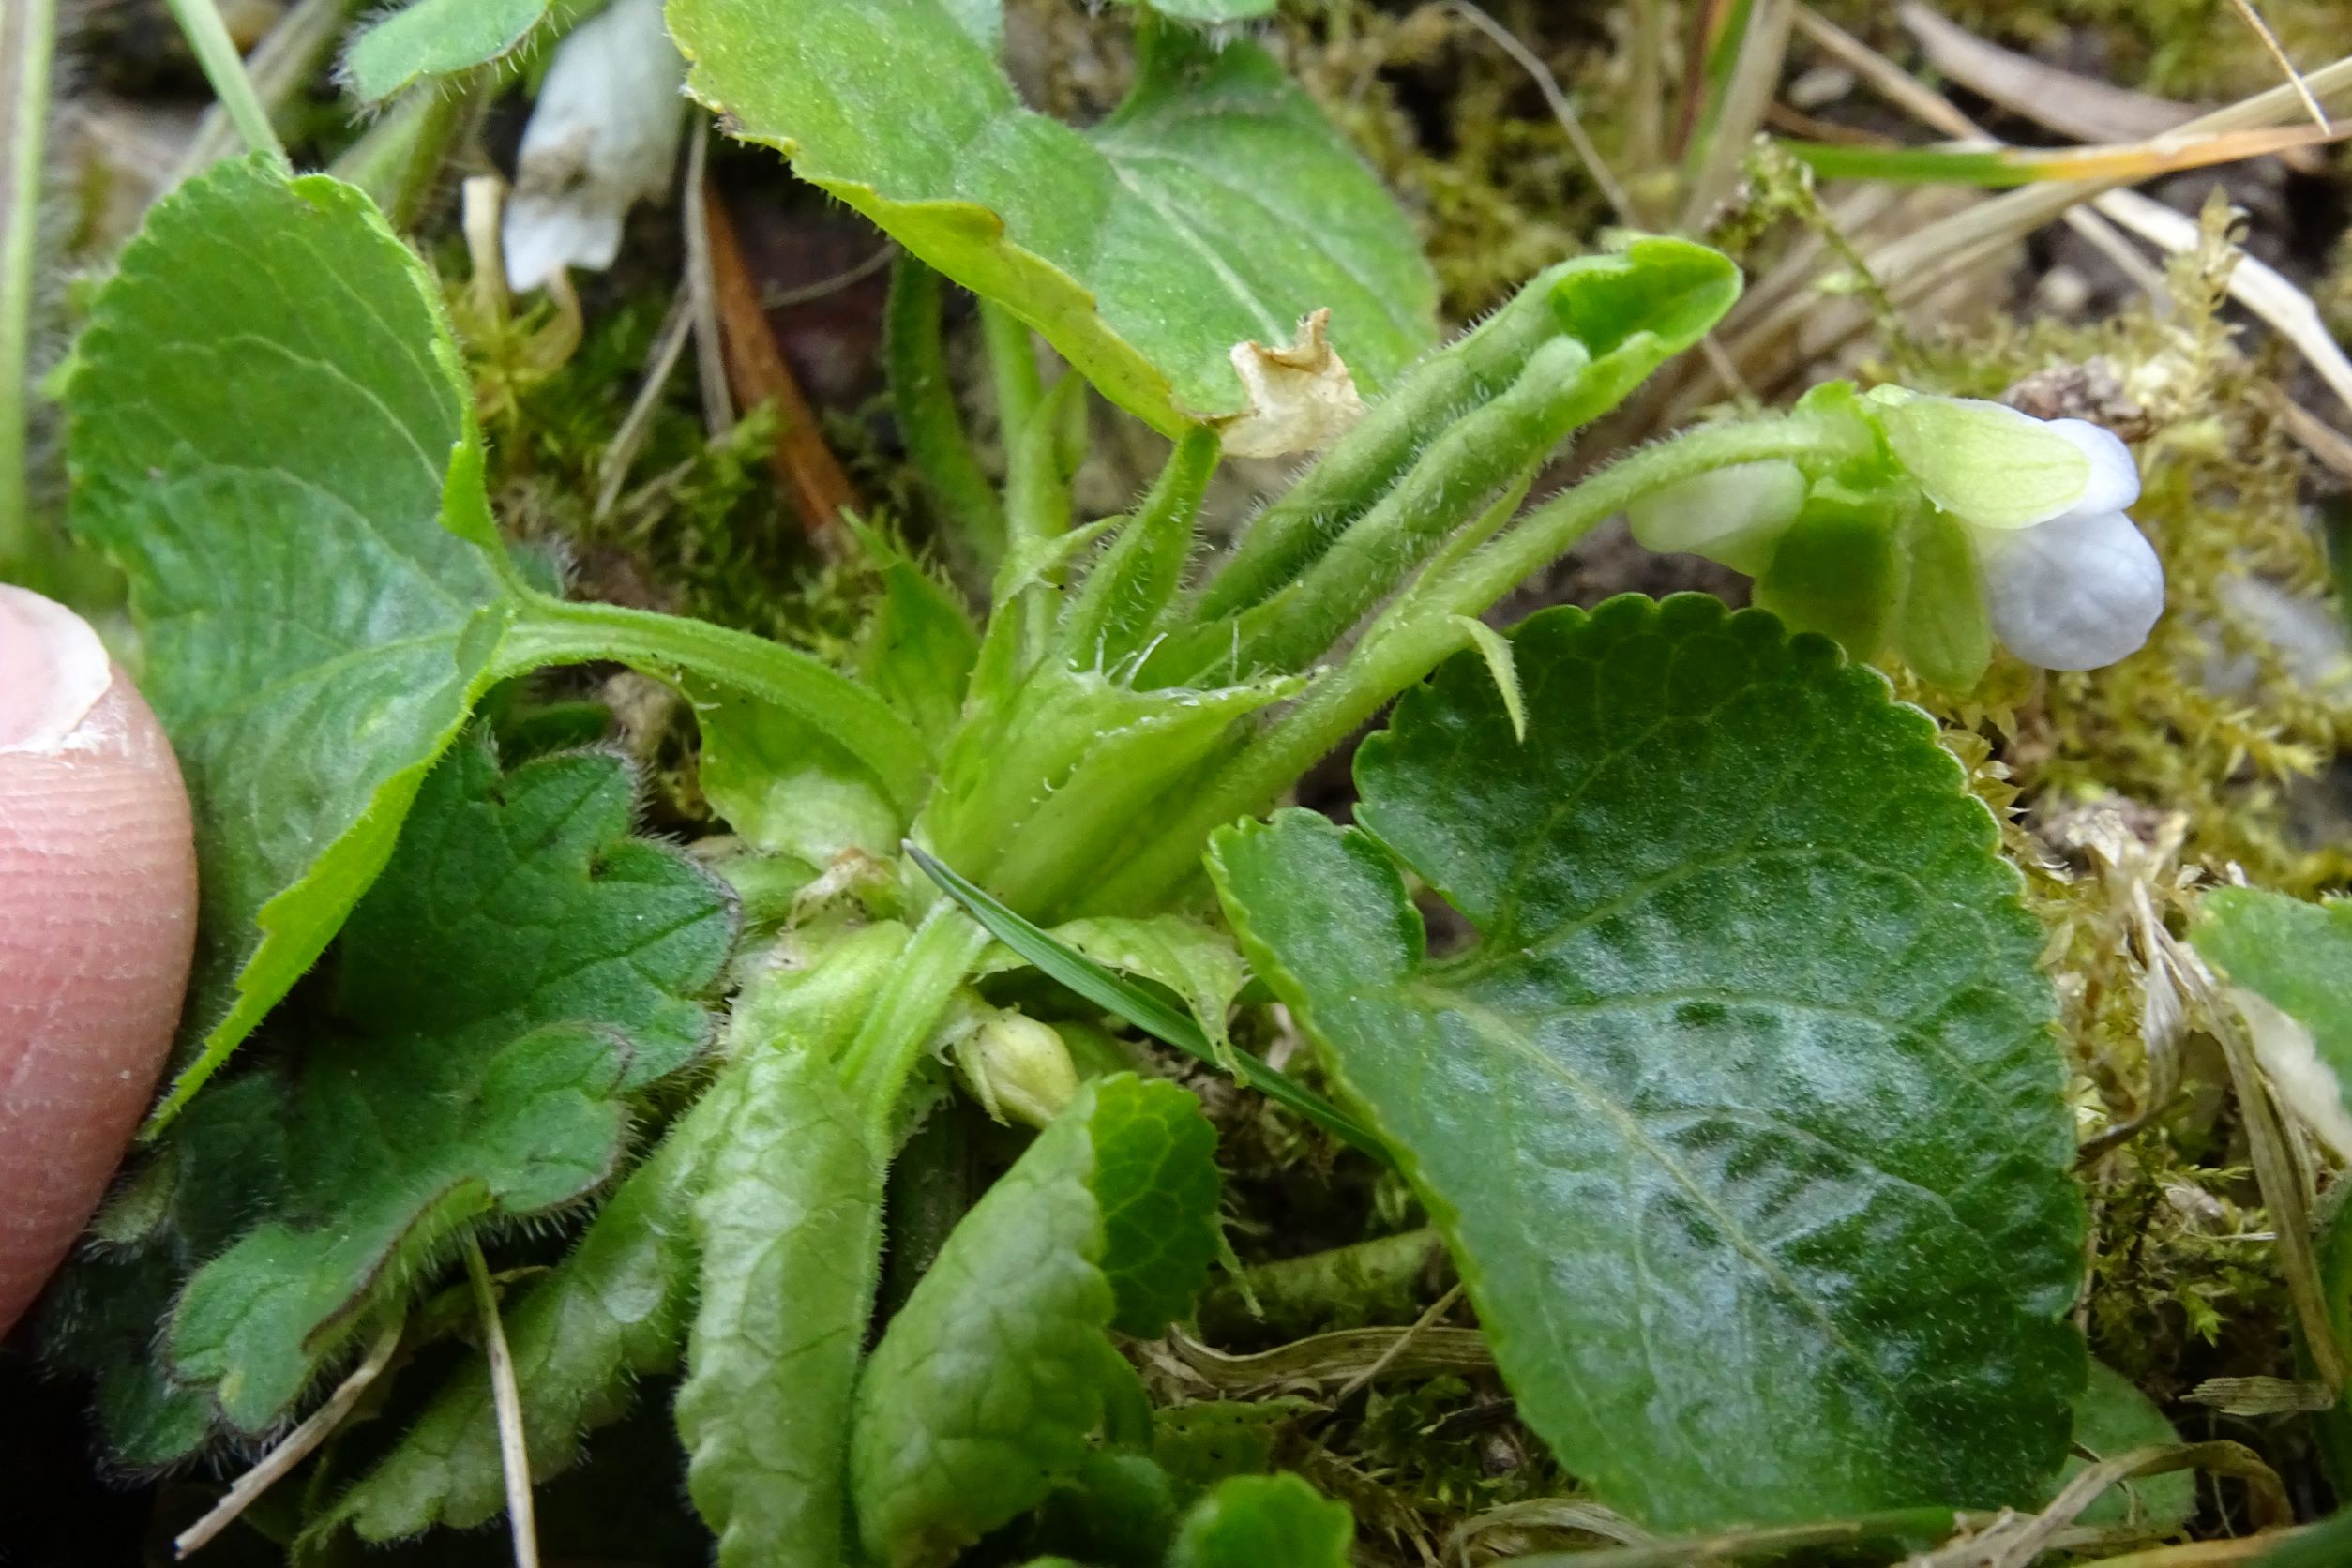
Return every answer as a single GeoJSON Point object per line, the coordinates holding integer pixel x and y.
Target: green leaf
{"type": "Point", "coordinates": [1252, 1520]}
{"type": "Point", "coordinates": [527, 900]}
{"type": "Point", "coordinates": [614, 1310]}
{"type": "Point", "coordinates": [2297, 958]}
{"type": "Point", "coordinates": [785, 787]}
{"type": "Point", "coordinates": [1032, 793]}
{"type": "Point", "coordinates": [2113, 1417]}
{"type": "Point", "coordinates": [1201, 965]}
{"type": "Point", "coordinates": [266, 409]}
{"type": "Point", "coordinates": [184, 1203]}
{"type": "Point", "coordinates": [919, 644]}
{"type": "Point", "coordinates": [788, 1223]}
{"type": "Point", "coordinates": [990, 1385]}
{"type": "Point", "coordinates": [442, 38]}
{"type": "Point", "coordinates": [1216, 206]}
{"type": "Point", "coordinates": [1100, 986]}
{"type": "Point", "coordinates": [567, 962]}
{"type": "Point", "coordinates": [1749, 1071]}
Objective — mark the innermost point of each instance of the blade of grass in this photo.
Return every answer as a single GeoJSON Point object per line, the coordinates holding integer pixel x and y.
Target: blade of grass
{"type": "Point", "coordinates": [2278, 52]}
{"type": "Point", "coordinates": [1740, 109]}
{"type": "Point", "coordinates": [224, 67]}
{"type": "Point", "coordinates": [1114, 993]}
{"type": "Point", "coordinates": [279, 67]}
{"type": "Point", "coordinates": [28, 45]}
{"type": "Point", "coordinates": [2081, 107]}
{"type": "Point", "coordinates": [1923, 258]}
{"type": "Point", "coordinates": [2004, 166]}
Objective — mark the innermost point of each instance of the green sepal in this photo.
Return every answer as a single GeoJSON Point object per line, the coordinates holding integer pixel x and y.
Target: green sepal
{"type": "Point", "coordinates": [1941, 627]}
{"type": "Point", "coordinates": [1984, 462]}
{"type": "Point", "coordinates": [1837, 571]}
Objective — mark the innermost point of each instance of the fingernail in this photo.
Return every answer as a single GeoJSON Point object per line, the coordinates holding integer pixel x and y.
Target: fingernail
{"type": "Point", "coordinates": [53, 671]}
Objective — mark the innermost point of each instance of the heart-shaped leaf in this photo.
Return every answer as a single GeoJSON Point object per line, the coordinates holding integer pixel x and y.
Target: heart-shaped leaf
{"type": "Point", "coordinates": [1216, 206]}
{"type": "Point", "coordinates": [1743, 1115]}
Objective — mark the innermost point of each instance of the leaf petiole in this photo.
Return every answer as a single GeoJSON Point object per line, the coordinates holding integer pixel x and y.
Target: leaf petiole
{"type": "Point", "coordinates": [906, 1008]}
{"type": "Point", "coordinates": [1421, 629]}
{"type": "Point", "coordinates": [548, 631]}
{"type": "Point", "coordinates": [28, 45]}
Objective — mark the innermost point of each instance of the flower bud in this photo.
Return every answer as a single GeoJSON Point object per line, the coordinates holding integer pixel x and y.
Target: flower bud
{"type": "Point", "coordinates": [1017, 1069]}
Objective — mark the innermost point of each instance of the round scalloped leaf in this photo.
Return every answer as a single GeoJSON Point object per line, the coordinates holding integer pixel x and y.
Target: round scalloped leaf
{"type": "Point", "coordinates": [1742, 1114]}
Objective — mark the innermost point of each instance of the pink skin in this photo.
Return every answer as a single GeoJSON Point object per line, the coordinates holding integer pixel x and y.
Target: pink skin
{"type": "Point", "coordinates": [98, 920]}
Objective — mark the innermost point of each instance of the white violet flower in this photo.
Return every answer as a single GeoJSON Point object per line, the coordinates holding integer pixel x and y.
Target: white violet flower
{"type": "Point", "coordinates": [2068, 581]}
{"type": "Point", "coordinates": [603, 136]}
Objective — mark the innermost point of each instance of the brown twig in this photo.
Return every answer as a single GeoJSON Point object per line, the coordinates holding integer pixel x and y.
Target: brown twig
{"type": "Point", "coordinates": [757, 370]}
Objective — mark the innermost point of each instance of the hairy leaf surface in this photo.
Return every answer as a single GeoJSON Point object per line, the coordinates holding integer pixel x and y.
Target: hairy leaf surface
{"type": "Point", "coordinates": [523, 963]}
{"type": "Point", "coordinates": [1742, 1116]}
{"type": "Point", "coordinates": [1218, 205]}
{"type": "Point", "coordinates": [788, 1227]}
{"type": "Point", "coordinates": [614, 1310]}
{"type": "Point", "coordinates": [991, 1383]}
{"type": "Point", "coordinates": [264, 413]}
{"type": "Point", "coordinates": [440, 37]}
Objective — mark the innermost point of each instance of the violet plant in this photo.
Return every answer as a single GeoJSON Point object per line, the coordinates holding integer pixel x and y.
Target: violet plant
{"type": "Point", "coordinates": [1741, 1117]}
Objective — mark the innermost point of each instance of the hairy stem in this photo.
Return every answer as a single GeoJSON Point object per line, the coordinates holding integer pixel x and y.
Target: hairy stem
{"type": "Point", "coordinates": [548, 631]}
{"type": "Point", "coordinates": [924, 396]}
{"type": "Point", "coordinates": [1418, 631]}
{"type": "Point", "coordinates": [1012, 368]}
